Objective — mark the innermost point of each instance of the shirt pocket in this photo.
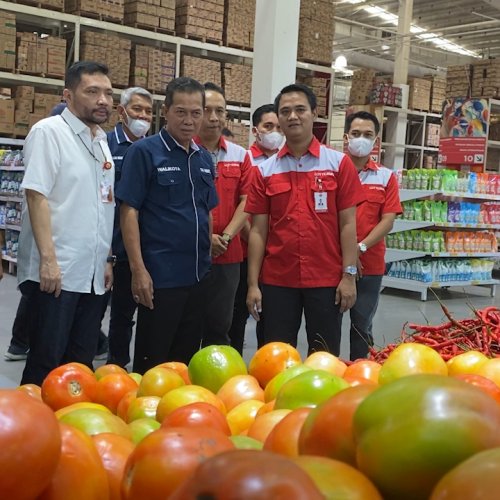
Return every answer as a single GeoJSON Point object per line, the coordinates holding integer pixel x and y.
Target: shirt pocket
{"type": "Point", "coordinates": [206, 192]}
{"type": "Point", "coordinates": [172, 188]}
{"type": "Point", "coordinates": [230, 177]}
{"type": "Point", "coordinates": [279, 193]}
{"type": "Point", "coordinates": [375, 200]}
{"type": "Point", "coordinates": [327, 185]}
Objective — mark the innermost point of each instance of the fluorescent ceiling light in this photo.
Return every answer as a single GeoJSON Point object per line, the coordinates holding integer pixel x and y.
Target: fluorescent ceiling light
{"type": "Point", "coordinates": [385, 47]}
{"type": "Point", "coordinates": [340, 62]}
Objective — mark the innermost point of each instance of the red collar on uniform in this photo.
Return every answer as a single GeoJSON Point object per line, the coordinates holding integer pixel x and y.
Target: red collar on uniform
{"type": "Point", "coordinates": [370, 165]}
{"type": "Point", "coordinates": [256, 151]}
{"type": "Point", "coordinates": [222, 142]}
{"type": "Point", "coordinates": [313, 149]}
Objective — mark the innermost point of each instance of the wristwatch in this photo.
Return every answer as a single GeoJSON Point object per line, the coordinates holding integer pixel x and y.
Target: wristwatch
{"type": "Point", "coordinates": [351, 270]}
{"type": "Point", "coordinates": [362, 247]}
{"type": "Point", "coordinates": [226, 237]}
{"type": "Point", "coordinates": [111, 259]}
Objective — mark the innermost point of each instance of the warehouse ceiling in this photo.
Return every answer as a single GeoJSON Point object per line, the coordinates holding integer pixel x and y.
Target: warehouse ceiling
{"type": "Point", "coordinates": [444, 32]}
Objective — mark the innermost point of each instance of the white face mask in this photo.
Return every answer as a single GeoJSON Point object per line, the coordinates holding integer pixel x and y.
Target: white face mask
{"type": "Point", "coordinates": [360, 146]}
{"type": "Point", "coordinates": [271, 140]}
{"type": "Point", "coordinates": [138, 127]}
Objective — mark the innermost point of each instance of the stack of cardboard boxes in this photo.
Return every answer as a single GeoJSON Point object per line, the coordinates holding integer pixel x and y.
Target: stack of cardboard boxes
{"type": "Point", "coordinates": [361, 86]}
{"type": "Point", "coordinates": [237, 82]}
{"type": "Point", "coordinates": [316, 30]}
{"type": "Point", "coordinates": [7, 107]}
{"type": "Point", "coordinates": [486, 78]}
{"type": "Point", "coordinates": [150, 14]}
{"type": "Point", "coordinates": [203, 70]}
{"type": "Point", "coordinates": [151, 68]}
{"type": "Point", "coordinates": [111, 50]}
{"type": "Point", "coordinates": [7, 40]}
{"type": "Point", "coordinates": [438, 93]}
{"type": "Point", "coordinates": [112, 10]}
{"type": "Point", "coordinates": [203, 19]}
{"type": "Point", "coordinates": [46, 4]}
{"type": "Point", "coordinates": [320, 87]}
{"type": "Point", "coordinates": [239, 23]}
{"type": "Point", "coordinates": [44, 56]}
{"type": "Point", "coordinates": [420, 94]}
{"type": "Point", "coordinates": [241, 132]}
{"type": "Point", "coordinates": [386, 94]}
{"type": "Point", "coordinates": [459, 80]}
{"type": "Point", "coordinates": [432, 135]}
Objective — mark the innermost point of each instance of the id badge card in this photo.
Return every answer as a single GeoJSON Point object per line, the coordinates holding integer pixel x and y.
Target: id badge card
{"type": "Point", "coordinates": [321, 201]}
{"type": "Point", "coordinates": [106, 191]}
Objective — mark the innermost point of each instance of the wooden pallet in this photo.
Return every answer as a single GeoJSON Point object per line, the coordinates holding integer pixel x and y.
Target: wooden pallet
{"type": "Point", "coordinates": [40, 4]}
{"type": "Point", "coordinates": [239, 103]}
{"type": "Point", "coordinates": [155, 29]}
{"type": "Point", "coordinates": [312, 61]}
{"type": "Point", "coordinates": [238, 46]}
{"type": "Point", "coordinates": [41, 75]}
{"type": "Point", "coordinates": [199, 38]}
{"type": "Point", "coordinates": [96, 15]}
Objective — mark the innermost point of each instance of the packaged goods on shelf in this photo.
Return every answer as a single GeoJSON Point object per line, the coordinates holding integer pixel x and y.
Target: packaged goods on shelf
{"type": "Point", "coordinates": [459, 80]}
{"type": "Point", "coordinates": [45, 56]}
{"type": "Point", "coordinates": [239, 23]}
{"type": "Point", "coordinates": [316, 31]}
{"type": "Point", "coordinates": [203, 70]}
{"type": "Point", "coordinates": [432, 133]}
{"type": "Point", "coordinates": [443, 270]}
{"type": "Point", "coordinates": [454, 242]}
{"type": "Point", "coordinates": [438, 93]}
{"type": "Point", "coordinates": [362, 84]}
{"type": "Point", "coordinates": [151, 68]}
{"type": "Point", "coordinates": [111, 50]}
{"type": "Point", "coordinates": [237, 83]}
{"type": "Point", "coordinates": [10, 183]}
{"type": "Point", "coordinates": [7, 107]}
{"type": "Point", "coordinates": [11, 158]}
{"type": "Point", "coordinates": [11, 243]}
{"type": "Point", "coordinates": [387, 94]}
{"type": "Point", "coordinates": [7, 40]}
{"type": "Point", "coordinates": [202, 19]}
{"type": "Point", "coordinates": [150, 14]}
{"type": "Point", "coordinates": [420, 94]}
{"type": "Point", "coordinates": [321, 87]}
{"type": "Point", "coordinates": [486, 78]}
{"type": "Point", "coordinates": [106, 10]}
{"type": "Point", "coordinates": [241, 132]}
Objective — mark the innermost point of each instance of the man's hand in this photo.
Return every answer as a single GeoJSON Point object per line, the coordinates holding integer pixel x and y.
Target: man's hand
{"type": "Point", "coordinates": [346, 293]}
{"type": "Point", "coordinates": [108, 276]}
{"type": "Point", "coordinates": [50, 276]}
{"type": "Point", "coordinates": [254, 302]}
{"type": "Point", "coordinates": [142, 288]}
{"type": "Point", "coordinates": [219, 245]}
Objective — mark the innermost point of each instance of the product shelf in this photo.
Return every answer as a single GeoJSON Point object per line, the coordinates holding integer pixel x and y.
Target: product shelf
{"type": "Point", "coordinates": [8, 197]}
{"type": "Point", "coordinates": [407, 225]}
{"type": "Point", "coordinates": [394, 254]}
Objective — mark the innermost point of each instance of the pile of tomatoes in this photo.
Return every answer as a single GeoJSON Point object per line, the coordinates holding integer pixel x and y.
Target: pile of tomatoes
{"type": "Point", "coordinates": [414, 427]}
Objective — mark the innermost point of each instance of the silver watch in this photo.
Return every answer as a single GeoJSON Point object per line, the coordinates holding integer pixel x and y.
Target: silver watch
{"type": "Point", "coordinates": [351, 270]}
{"type": "Point", "coordinates": [362, 247]}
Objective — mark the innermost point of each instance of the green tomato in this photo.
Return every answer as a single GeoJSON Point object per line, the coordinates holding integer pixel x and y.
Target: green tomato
{"type": "Point", "coordinates": [141, 427]}
{"type": "Point", "coordinates": [277, 382]}
{"type": "Point", "coordinates": [412, 431]}
{"type": "Point", "coordinates": [309, 389]}
{"type": "Point", "coordinates": [246, 443]}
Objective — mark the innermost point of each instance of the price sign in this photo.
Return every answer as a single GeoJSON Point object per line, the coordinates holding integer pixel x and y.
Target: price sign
{"type": "Point", "coordinates": [462, 150]}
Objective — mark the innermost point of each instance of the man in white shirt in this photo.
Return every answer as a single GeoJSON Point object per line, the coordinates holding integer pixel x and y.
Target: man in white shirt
{"type": "Point", "coordinates": [67, 225]}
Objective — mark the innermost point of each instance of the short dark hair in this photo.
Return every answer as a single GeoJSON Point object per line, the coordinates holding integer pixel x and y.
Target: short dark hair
{"type": "Point", "coordinates": [260, 112]}
{"type": "Point", "coordinates": [183, 84]}
{"type": "Point", "coordinates": [226, 132]}
{"type": "Point", "coordinates": [296, 87]}
{"type": "Point", "coordinates": [361, 115]}
{"type": "Point", "coordinates": [76, 70]}
{"type": "Point", "coordinates": [214, 88]}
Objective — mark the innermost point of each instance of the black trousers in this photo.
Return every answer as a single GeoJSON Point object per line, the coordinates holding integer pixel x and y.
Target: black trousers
{"type": "Point", "coordinates": [121, 320]}
{"type": "Point", "coordinates": [283, 308]}
{"type": "Point", "coordinates": [20, 328]}
{"type": "Point", "coordinates": [172, 331]}
{"type": "Point", "coordinates": [62, 329]}
{"type": "Point", "coordinates": [240, 311]}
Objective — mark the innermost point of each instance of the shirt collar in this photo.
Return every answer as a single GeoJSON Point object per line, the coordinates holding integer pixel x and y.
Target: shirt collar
{"type": "Point", "coordinates": [222, 142]}
{"type": "Point", "coordinates": [370, 165]}
{"type": "Point", "coordinates": [121, 136]}
{"type": "Point", "coordinates": [256, 151]}
{"type": "Point", "coordinates": [313, 149]}
{"type": "Point", "coordinates": [171, 143]}
{"type": "Point", "coordinates": [78, 127]}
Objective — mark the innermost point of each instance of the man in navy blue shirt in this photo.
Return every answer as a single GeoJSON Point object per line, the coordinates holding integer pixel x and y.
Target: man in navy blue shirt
{"type": "Point", "coordinates": [167, 192]}
{"type": "Point", "coordinates": [136, 114]}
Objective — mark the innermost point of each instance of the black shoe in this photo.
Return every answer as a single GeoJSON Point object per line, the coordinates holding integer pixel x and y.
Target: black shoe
{"type": "Point", "coordinates": [15, 353]}
{"type": "Point", "coordinates": [102, 348]}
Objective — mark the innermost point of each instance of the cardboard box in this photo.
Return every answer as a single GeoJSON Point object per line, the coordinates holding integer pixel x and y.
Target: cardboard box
{"type": "Point", "coordinates": [24, 92]}
{"type": "Point", "coordinates": [21, 116]}
{"type": "Point", "coordinates": [7, 108]}
{"type": "Point", "coordinates": [6, 128]}
{"type": "Point", "coordinates": [23, 105]}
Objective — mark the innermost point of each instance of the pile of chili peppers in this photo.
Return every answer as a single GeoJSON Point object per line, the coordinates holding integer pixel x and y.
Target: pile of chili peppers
{"type": "Point", "coordinates": [480, 333]}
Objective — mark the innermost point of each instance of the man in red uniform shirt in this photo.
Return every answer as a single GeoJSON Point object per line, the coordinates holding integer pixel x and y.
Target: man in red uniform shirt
{"type": "Point", "coordinates": [228, 217]}
{"type": "Point", "coordinates": [268, 137]}
{"type": "Point", "coordinates": [374, 220]}
{"type": "Point", "coordinates": [303, 236]}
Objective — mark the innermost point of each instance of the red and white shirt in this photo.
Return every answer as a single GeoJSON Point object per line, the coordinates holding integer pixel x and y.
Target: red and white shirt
{"type": "Point", "coordinates": [382, 197]}
{"type": "Point", "coordinates": [303, 198]}
{"type": "Point", "coordinates": [230, 182]}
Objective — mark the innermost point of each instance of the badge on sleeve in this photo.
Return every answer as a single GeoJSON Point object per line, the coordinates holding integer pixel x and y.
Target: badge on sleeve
{"type": "Point", "coordinates": [321, 201]}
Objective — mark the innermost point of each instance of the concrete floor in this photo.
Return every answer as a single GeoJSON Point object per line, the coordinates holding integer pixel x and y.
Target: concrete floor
{"type": "Point", "coordinates": [395, 308]}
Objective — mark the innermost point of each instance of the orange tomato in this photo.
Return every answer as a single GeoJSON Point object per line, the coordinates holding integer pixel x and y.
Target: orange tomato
{"type": "Point", "coordinates": [264, 424]}
{"type": "Point", "coordinates": [114, 451]}
{"type": "Point", "coordinates": [125, 402]}
{"type": "Point", "coordinates": [68, 384]}
{"type": "Point", "coordinates": [363, 368]}
{"type": "Point", "coordinates": [141, 407]}
{"type": "Point", "coordinates": [77, 406]}
{"type": "Point", "coordinates": [78, 366]}
{"type": "Point", "coordinates": [467, 362]}
{"type": "Point", "coordinates": [112, 387]}
{"type": "Point", "coordinates": [80, 474]}
{"type": "Point", "coordinates": [180, 368]}
{"type": "Point", "coordinates": [166, 457]}
{"type": "Point", "coordinates": [266, 408]}
{"type": "Point", "coordinates": [323, 360]}
{"type": "Point", "coordinates": [104, 370]}
{"type": "Point", "coordinates": [238, 389]}
{"type": "Point", "coordinates": [271, 359]}
{"type": "Point", "coordinates": [491, 370]}
{"type": "Point", "coordinates": [242, 416]}
{"type": "Point", "coordinates": [186, 395]}
{"type": "Point", "coordinates": [353, 381]}
{"type": "Point", "coordinates": [32, 390]}
{"type": "Point", "coordinates": [284, 438]}
{"type": "Point", "coordinates": [482, 383]}
{"type": "Point", "coordinates": [158, 381]}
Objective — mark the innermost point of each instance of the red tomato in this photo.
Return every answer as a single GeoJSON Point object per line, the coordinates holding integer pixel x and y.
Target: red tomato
{"type": "Point", "coordinates": [364, 368]}
{"type": "Point", "coordinates": [259, 475]}
{"type": "Point", "coordinates": [284, 438]}
{"type": "Point", "coordinates": [114, 451]}
{"type": "Point", "coordinates": [338, 480]}
{"type": "Point", "coordinates": [180, 368]}
{"type": "Point", "coordinates": [482, 383]}
{"type": "Point", "coordinates": [477, 477]}
{"type": "Point", "coordinates": [112, 387]}
{"type": "Point", "coordinates": [166, 457]}
{"type": "Point", "coordinates": [80, 474]}
{"type": "Point", "coordinates": [197, 415]}
{"type": "Point", "coordinates": [68, 384]}
{"type": "Point", "coordinates": [30, 445]}
{"type": "Point", "coordinates": [327, 431]}
{"type": "Point", "coordinates": [124, 404]}
{"type": "Point", "coordinates": [104, 370]}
